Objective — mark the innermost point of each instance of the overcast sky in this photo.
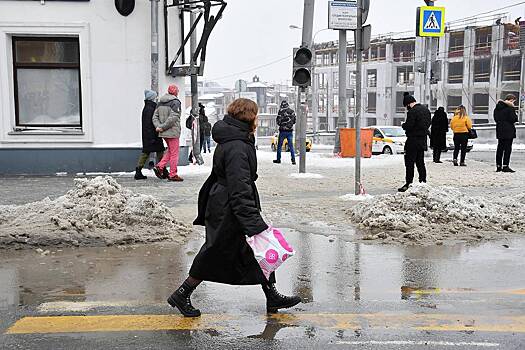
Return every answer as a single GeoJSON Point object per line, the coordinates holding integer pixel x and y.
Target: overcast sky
{"type": "Point", "coordinates": [256, 32]}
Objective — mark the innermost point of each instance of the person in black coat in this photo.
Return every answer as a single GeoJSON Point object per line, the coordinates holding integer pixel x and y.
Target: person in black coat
{"type": "Point", "coordinates": [203, 119]}
{"type": "Point", "coordinates": [438, 133]}
{"type": "Point", "coordinates": [151, 142]}
{"type": "Point", "coordinates": [416, 128]}
{"type": "Point", "coordinates": [229, 208]}
{"type": "Point", "coordinates": [505, 118]}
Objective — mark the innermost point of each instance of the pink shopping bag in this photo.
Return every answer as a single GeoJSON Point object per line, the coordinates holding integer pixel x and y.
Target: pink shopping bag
{"type": "Point", "coordinates": [270, 249]}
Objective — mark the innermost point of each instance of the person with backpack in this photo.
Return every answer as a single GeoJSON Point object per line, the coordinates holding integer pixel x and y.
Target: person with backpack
{"type": "Point", "coordinates": [505, 118]}
{"type": "Point", "coordinates": [285, 120]}
{"type": "Point", "coordinates": [151, 142]}
{"type": "Point", "coordinates": [207, 137]}
{"type": "Point", "coordinates": [416, 128]}
{"type": "Point", "coordinates": [460, 124]}
{"type": "Point", "coordinates": [167, 123]}
{"type": "Point", "coordinates": [438, 134]}
{"type": "Point", "coordinates": [229, 208]}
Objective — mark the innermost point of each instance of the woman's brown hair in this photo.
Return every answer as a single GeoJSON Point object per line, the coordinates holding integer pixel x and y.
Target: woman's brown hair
{"type": "Point", "coordinates": [461, 111]}
{"type": "Point", "coordinates": [244, 110]}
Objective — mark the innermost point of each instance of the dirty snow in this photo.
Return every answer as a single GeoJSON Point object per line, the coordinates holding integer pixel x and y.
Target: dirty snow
{"type": "Point", "coordinates": [96, 212]}
{"type": "Point", "coordinates": [437, 215]}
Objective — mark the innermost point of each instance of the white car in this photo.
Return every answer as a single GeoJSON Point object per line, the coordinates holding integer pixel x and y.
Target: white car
{"type": "Point", "coordinates": [450, 143]}
{"type": "Point", "coordinates": [388, 140]}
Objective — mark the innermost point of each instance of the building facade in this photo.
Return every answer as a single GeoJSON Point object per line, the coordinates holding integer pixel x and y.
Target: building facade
{"type": "Point", "coordinates": [476, 66]}
{"type": "Point", "coordinates": [72, 76]}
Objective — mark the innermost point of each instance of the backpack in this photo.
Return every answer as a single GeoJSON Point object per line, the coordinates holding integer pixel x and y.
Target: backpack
{"type": "Point", "coordinates": [189, 121]}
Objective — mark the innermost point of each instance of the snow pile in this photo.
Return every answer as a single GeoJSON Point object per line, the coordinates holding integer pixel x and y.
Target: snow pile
{"type": "Point", "coordinates": [96, 212]}
{"type": "Point", "coordinates": [306, 176]}
{"type": "Point", "coordinates": [432, 215]}
{"type": "Point", "coordinates": [355, 198]}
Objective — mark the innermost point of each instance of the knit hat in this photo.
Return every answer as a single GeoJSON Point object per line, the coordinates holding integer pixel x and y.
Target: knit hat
{"type": "Point", "coordinates": [173, 90]}
{"type": "Point", "coordinates": [408, 99]}
{"type": "Point", "coordinates": [284, 104]}
{"type": "Point", "coordinates": [150, 95]}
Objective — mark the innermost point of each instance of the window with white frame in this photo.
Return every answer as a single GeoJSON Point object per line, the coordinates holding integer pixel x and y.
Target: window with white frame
{"type": "Point", "coordinates": [47, 89]}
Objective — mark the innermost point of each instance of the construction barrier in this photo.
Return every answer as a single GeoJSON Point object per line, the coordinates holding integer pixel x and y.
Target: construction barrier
{"type": "Point", "coordinates": [348, 144]}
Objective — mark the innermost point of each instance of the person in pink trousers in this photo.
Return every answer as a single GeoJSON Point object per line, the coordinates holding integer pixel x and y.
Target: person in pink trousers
{"type": "Point", "coordinates": [166, 120]}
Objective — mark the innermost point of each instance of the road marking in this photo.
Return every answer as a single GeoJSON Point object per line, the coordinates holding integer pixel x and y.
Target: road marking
{"type": "Point", "coordinates": [414, 322]}
{"type": "Point", "coordinates": [420, 343]}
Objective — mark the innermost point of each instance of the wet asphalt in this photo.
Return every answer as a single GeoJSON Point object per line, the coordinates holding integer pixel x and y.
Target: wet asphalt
{"type": "Point", "coordinates": [355, 295]}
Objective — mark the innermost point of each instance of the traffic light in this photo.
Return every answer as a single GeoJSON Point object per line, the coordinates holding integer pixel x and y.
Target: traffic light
{"type": "Point", "coordinates": [302, 67]}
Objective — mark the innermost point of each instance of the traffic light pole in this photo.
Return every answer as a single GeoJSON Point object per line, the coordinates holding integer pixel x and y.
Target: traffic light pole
{"type": "Point", "coordinates": [308, 23]}
{"type": "Point", "coordinates": [343, 101]}
{"type": "Point", "coordinates": [358, 93]}
{"type": "Point", "coordinates": [195, 132]}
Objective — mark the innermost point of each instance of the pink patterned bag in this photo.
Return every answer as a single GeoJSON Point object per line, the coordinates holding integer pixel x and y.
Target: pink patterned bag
{"type": "Point", "coordinates": [270, 249]}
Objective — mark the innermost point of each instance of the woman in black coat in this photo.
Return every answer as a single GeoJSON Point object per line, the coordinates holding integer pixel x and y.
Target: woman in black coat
{"type": "Point", "coordinates": [229, 208]}
{"type": "Point", "coordinates": [151, 142]}
{"type": "Point", "coordinates": [438, 133]}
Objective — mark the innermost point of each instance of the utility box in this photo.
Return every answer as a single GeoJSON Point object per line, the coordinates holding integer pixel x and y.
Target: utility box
{"type": "Point", "coordinates": [348, 144]}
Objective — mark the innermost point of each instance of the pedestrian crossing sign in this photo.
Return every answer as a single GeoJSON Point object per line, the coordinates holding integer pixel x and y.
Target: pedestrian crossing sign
{"type": "Point", "coordinates": [431, 21]}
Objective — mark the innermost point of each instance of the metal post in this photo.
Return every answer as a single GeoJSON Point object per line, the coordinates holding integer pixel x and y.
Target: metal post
{"type": "Point", "coordinates": [522, 87]}
{"type": "Point", "coordinates": [428, 70]}
{"type": "Point", "coordinates": [315, 97]}
{"type": "Point", "coordinates": [359, 62]}
{"type": "Point", "coordinates": [343, 108]}
{"type": "Point", "coordinates": [195, 134]}
{"type": "Point", "coordinates": [155, 45]}
{"type": "Point", "coordinates": [308, 24]}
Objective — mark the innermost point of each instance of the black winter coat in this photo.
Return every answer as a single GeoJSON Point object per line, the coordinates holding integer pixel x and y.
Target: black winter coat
{"type": "Point", "coordinates": [439, 129]}
{"type": "Point", "coordinates": [286, 119]}
{"type": "Point", "coordinates": [416, 127]}
{"type": "Point", "coordinates": [151, 142]}
{"type": "Point", "coordinates": [505, 117]}
{"type": "Point", "coordinates": [229, 208]}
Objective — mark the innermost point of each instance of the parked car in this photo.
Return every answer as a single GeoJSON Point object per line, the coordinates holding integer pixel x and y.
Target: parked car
{"type": "Point", "coordinates": [450, 143]}
{"type": "Point", "coordinates": [388, 140]}
{"type": "Point", "coordinates": [275, 140]}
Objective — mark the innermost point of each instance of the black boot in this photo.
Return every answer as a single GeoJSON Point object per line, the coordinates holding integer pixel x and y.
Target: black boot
{"type": "Point", "coordinates": [138, 174]}
{"type": "Point", "coordinates": [275, 300]}
{"type": "Point", "coordinates": [404, 188]}
{"type": "Point", "coordinates": [181, 300]}
{"type": "Point", "coordinates": [507, 169]}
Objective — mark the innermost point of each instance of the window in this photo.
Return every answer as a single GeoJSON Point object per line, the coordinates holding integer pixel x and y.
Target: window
{"type": "Point", "coordinates": [351, 55]}
{"type": "Point", "coordinates": [46, 73]}
{"type": "Point", "coordinates": [372, 100]}
{"type": "Point", "coordinates": [405, 75]}
{"type": "Point", "coordinates": [371, 121]}
{"type": "Point", "coordinates": [511, 68]}
{"type": "Point", "coordinates": [404, 51]}
{"type": "Point", "coordinates": [373, 53]}
{"type": "Point", "coordinates": [481, 104]}
{"type": "Point", "coordinates": [399, 101]}
{"type": "Point", "coordinates": [322, 104]}
{"type": "Point", "coordinates": [333, 58]}
{"type": "Point", "coordinates": [335, 103]}
{"type": "Point", "coordinates": [326, 59]}
{"type": "Point", "coordinates": [321, 79]}
{"type": "Point", "coordinates": [483, 41]}
{"type": "Point", "coordinates": [482, 70]}
{"type": "Point", "coordinates": [378, 134]}
{"type": "Point", "coordinates": [318, 59]}
{"type": "Point", "coordinates": [372, 78]}
{"type": "Point", "coordinates": [456, 45]}
{"type": "Point", "coordinates": [453, 102]}
{"type": "Point", "coordinates": [352, 76]}
{"type": "Point", "coordinates": [455, 73]}
{"type": "Point", "coordinates": [382, 53]}
{"type": "Point", "coordinates": [335, 80]}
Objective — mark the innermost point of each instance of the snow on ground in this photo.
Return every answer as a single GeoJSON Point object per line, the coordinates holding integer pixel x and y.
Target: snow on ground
{"type": "Point", "coordinates": [306, 176]}
{"type": "Point", "coordinates": [428, 215]}
{"type": "Point", "coordinates": [356, 198]}
{"type": "Point", "coordinates": [493, 147]}
{"type": "Point", "coordinates": [188, 170]}
{"type": "Point", "coordinates": [96, 212]}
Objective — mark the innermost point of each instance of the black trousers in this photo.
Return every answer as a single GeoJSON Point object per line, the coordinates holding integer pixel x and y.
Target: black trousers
{"type": "Point", "coordinates": [415, 155]}
{"type": "Point", "coordinates": [460, 143]}
{"type": "Point", "coordinates": [436, 153]}
{"type": "Point", "coordinates": [503, 152]}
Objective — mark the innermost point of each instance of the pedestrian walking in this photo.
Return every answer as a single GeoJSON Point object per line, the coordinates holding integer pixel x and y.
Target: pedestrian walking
{"type": "Point", "coordinates": [505, 118]}
{"type": "Point", "coordinates": [229, 208]}
{"type": "Point", "coordinates": [416, 128]}
{"type": "Point", "coordinates": [438, 133]}
{"type": "Point", "coordinates": [203, 119]}
{"type": "Point", "coordinates": [151, 142]}
{"type": "Point", "coordinates": [167, 123]}
{"type": "Point", "coordinates": [461, 126]}
{"type": "Point", "coordinates": [207, 137]}
{"type": "Point", "coordinates": [285, 120]}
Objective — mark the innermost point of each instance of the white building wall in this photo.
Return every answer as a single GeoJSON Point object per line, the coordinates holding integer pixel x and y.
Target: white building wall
{"type": "Point", "coordinates": [115, 68]}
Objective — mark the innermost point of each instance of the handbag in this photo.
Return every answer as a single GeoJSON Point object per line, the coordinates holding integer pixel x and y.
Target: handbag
{"type": "Point", "coordinates": [472, 134]}
{"type": "Point", "coordinates": [270, 249]}
{"type": "Point", "coordinates": [189, 121]}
